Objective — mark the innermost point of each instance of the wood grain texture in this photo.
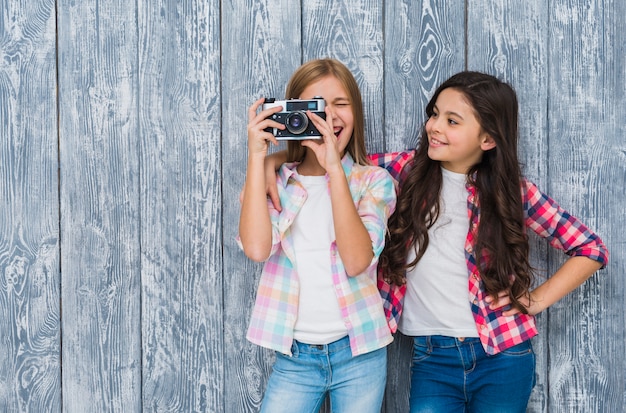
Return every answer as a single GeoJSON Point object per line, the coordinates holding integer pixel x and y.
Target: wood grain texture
{"type": "Point", "coordinates": [181, 209]}
{"type": "Point", "coordinates": [99, 195]}
{"type": "Point", "coordinates": [30, 365]}
{"type": "Point", "coordinates": [262, 48]}
{"type": "Point", "coordinates": [424, 45]}
{"type": "Point", "coordinates": [587, 175]}
{"type": "Point", "coordinates": [352, 32]}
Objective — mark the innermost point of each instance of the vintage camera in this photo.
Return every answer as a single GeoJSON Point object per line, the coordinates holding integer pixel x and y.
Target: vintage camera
{"type": "Point", "coordinates": [297, 123]}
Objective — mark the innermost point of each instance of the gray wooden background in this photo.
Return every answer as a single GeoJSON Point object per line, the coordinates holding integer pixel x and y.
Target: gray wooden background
{"type": "Point", "coordinates": [122, 148]}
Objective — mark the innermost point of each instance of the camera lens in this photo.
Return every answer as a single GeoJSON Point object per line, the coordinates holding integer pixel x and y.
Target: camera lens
{"type": "Point", "coordinates": [296, 122]}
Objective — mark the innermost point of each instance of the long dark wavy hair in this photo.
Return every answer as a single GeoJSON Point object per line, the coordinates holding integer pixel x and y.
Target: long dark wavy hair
{"type": "Point", "coordinates": [501, 246]}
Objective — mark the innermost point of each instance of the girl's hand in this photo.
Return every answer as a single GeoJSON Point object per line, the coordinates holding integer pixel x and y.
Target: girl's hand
{"type": "Point", "coordinates": [258, 138]}
{"type": "Point", "coordinates": [504, 300]}
{"type": "Point", "coordinates": [327, 151]}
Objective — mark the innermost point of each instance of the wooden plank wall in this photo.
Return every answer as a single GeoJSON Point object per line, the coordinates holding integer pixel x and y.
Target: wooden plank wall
{"type": "Point", "coordinates": [122, 148]}
{"type": "Point", "coordinates": [30, 280]}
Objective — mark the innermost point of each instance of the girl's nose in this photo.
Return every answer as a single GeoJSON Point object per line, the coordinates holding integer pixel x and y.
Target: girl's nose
{"type": "Point", "coordinates": [433, 124]}
{"type": "Point", "coordinates": [332, 112]}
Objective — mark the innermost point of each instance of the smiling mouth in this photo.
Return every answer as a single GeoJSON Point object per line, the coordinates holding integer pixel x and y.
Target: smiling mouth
{"type": "Point", "coordinates": [434, 141]}
{"type": "Point", "coordinates": [337, 131]}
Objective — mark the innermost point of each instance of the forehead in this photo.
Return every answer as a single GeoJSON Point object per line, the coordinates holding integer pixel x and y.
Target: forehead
{"type": "Point", "coordinates": [453, 100]}
{"type": "Point", "coordinates": [329, 87]}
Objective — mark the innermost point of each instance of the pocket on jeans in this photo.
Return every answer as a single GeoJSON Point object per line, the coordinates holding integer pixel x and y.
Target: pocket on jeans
{"type": "Point", "coordinates": [421, 352]}
{"type": "Point", "coordinates": [523, 349]}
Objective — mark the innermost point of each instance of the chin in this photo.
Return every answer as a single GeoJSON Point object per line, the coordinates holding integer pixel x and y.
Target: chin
{"type": "Point", "coordinates": [433, 155]}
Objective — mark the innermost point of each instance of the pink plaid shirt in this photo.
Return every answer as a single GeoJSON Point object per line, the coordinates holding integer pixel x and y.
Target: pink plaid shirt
{"type": "Point", "coordinates": [276, 307]}
{"type": "Point", "coordinates": [543, 215]}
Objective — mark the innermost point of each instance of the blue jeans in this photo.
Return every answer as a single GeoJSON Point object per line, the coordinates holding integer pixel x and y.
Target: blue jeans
{"type": "Point", "coordinates": [456, 375]}
{"type": "Point", "coordinates": [300, 383]}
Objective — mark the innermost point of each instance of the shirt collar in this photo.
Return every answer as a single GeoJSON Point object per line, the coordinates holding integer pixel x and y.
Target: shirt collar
{"type": "Point", "coordinates": [287, 170]}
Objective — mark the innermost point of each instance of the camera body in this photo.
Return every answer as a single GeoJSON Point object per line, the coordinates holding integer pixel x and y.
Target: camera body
{"type": "Point", "coordinates": [293, 116]}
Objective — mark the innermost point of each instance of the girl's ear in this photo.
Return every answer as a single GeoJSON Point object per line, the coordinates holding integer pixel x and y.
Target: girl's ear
{"type": "Point", "coordinates": [487, 143]}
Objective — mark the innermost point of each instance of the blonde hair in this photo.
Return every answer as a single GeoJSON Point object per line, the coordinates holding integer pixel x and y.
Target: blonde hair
{"type": "Point", "coordinates": [314, 70]}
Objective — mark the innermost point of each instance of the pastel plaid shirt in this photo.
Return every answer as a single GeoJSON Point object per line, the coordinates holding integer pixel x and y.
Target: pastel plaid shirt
{"type": "Point", "coordinates": [543, 215]}
{"type": "Point", "coordinates": [276, 307]}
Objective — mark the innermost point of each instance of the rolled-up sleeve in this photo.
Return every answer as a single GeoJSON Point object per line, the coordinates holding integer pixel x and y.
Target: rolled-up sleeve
{"type": "Point", "coordinates": [375, 206]}
{"type": "Point", "coordinates": [562, 230]}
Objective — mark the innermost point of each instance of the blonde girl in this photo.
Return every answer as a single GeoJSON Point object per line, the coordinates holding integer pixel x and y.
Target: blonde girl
{"type": "Point", "coordinates": [317, 302]}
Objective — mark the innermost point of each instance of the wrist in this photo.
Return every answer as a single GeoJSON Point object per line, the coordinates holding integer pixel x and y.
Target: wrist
{"type": "Point", "coordinates": [256, 157]}
{"type": "Point", "coordinates": [255, 164]}
{"type": "Point", "coordinates": [335, 171]}
{"type": "Point", "coordinates": [535, 304]}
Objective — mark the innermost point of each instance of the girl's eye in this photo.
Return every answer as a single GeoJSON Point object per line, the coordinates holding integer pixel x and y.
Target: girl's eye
{"type": "Point", "coordinates": [452, 122]}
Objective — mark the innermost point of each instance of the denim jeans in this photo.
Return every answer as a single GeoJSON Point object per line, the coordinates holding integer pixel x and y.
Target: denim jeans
{"type": "Point", "coordinates": [456, 375]}
{"type": "Point", "coordinates": [300, 383]}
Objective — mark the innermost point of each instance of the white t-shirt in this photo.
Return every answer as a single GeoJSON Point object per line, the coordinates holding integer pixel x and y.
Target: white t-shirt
{"type": "Point", "coordinates": [319, 316]}
{"type": "Point", "coordinates": [437, 295]}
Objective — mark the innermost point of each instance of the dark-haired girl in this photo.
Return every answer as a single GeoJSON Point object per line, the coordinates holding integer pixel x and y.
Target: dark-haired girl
{"type": "Point", "coordinates": [455, 270]}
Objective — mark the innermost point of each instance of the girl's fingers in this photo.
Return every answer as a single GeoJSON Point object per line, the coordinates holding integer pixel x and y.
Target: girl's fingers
{"type": "Point", "coordinates": [258, 132]}
{"type": "Point", "coordinates": [258, 126]}
{"type": "Point", "coordinates": [253, 108]}
{"type": "Point", "coordinates": [315, 118]}
{"type": "Point", "coordinates": [512, 311]}
{"type": "Point", "coordinates": [500, 295]}
{"type": "Point", "coordinates": [502, 300]}
{"type": "Point", "coordinates": [271, 138]}
{"type": "Point", "coordinates": [324, 126]}
{"type": "Point", "coordinates": [310, 143]}
{"type": "Point", "coordinates": [262, 120]}
{"type": "Point", "coordinates": [255, 118]}
{"type": "Point", "coordinates": [265, 124]}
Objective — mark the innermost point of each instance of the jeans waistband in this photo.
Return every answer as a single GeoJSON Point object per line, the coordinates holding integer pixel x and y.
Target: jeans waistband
{"type": "Point", "coordinates": [445, 341]}
{"type": "Point", "coordinates": [335, 346]}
